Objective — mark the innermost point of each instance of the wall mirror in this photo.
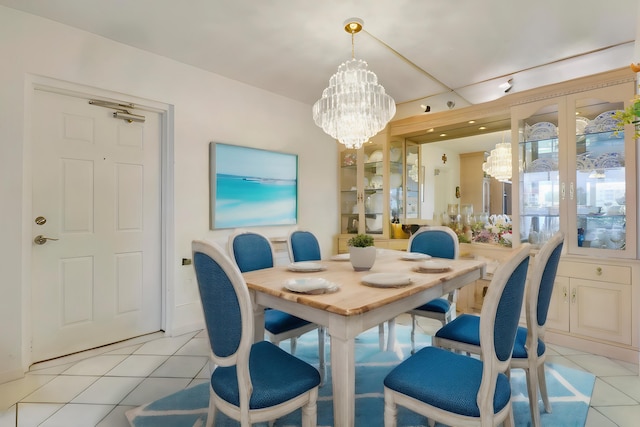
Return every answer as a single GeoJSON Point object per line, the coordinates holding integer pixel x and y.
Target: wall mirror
{"type": "Point", "coordinates": [452, 155]}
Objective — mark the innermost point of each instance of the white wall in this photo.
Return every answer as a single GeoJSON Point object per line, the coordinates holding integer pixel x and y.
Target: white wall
{"type": "Point", "coordinates": [440, 186]}
{"type": "Point", "coordinates": [206, 108]}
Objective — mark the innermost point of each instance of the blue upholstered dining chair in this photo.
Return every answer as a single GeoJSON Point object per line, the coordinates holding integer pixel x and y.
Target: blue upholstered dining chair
{"type": "Point", "coordinates": [456, 389]}
{"type": "Point", "coordinates": [463, 334]}
{"type": "Point", "coordinates": [439, 242]}
{"type": "Point", "coordinates": [253, 251]}
{"type": "Point", "coordinates": [251, 382]}
{"type": "Point", "coordinates": [303, 246]}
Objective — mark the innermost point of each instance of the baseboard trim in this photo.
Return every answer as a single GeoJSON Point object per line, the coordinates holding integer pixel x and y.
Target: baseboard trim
{"type": "Point", "coordinates": [11, 375]}
{"type": "Point", "coordinates": [185, 329]}
{"type": "Point", "coordinates": [625, 354]}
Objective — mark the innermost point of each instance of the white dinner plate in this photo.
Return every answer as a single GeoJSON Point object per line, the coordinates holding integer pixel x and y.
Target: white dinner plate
{"type": "Point", "coordinates": [415, 256]}
{"type": "Point", "coordinates": [433, 267]}
{"type": "Point", "coordinates": [306, 266]}
{"type": "Point", "coordinates": [341, 257]}
{"type": "Point", "coordinates": [387, 280]}
{"type": "Point", "coordinates": [311, 285]}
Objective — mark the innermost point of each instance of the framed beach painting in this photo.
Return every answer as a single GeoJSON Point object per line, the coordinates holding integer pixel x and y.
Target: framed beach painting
{"type": "Point", "coordinates": [252, 187]}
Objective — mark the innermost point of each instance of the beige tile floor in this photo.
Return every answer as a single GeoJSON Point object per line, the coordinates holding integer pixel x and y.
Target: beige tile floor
{"type": "Point", "coordinates": [96, 388]}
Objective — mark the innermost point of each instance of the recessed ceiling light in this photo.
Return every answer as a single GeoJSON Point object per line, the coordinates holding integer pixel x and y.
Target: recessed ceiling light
{"type": "Point", "coordinates": [471, 122]}
{"type": "Point", "coordinates": [431, 130]}
{"type": "Point", "coordinates": [443, 134]}
{"type": "Point", "coordinates": [482, 127]}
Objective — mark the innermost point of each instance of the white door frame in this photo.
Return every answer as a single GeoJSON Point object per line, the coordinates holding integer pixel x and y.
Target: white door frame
{"type": "Point", "coordinates": [33, 82]}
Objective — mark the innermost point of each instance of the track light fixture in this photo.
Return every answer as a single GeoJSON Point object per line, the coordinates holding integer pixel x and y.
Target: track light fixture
{"type": "Point", "coordinates": [507, 86]}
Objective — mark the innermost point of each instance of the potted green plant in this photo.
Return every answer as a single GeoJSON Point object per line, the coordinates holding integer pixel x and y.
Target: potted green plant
{"type": "Point", "coordinates": [630, 116]}
{"type": "Point", "coordinates": [362, 253]}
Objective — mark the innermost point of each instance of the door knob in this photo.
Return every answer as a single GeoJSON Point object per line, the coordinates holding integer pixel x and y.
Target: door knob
{"type": "Point", "coordinates": [41, 240]}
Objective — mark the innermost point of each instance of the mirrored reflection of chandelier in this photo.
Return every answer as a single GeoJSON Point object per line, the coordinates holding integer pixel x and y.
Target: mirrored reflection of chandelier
{"type": "Point", "coordinates": [354, 107]}
{"type": "Point", "coordinates": [498, 164]}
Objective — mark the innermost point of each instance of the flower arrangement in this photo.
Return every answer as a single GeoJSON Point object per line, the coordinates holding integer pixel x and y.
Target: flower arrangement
{"type": "Point", "coordinates": [497, 230]}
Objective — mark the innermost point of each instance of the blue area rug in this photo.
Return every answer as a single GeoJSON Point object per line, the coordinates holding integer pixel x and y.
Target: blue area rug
{"type": "Point", "coordinates": [569, 391]}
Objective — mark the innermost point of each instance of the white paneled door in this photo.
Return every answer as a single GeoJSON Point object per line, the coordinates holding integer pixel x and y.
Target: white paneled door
{"type": "Point", "coordinates": [96, 259]}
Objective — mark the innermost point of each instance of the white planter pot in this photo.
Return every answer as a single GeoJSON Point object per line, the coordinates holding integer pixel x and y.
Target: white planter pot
{"type": "Point", "coordinates": [362, 259]}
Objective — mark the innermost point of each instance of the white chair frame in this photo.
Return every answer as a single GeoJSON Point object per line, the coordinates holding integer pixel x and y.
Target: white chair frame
{"type": "Point", "coordinates": [291, 334]}
{"type": "Point", "coordinates": [491, 366]}
{"type": "Point", "coordinates": [307, 401]}
{"type": "Point", "coordinates": [533, 365]}
{"type": "Point", "coordinates": [452, 297]}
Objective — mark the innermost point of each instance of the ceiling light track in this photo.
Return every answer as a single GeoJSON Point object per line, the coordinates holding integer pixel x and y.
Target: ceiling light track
{"type": "Point", "coordinates": [566, 58]}
{"type": "Point", "coordinates": [412, 64]}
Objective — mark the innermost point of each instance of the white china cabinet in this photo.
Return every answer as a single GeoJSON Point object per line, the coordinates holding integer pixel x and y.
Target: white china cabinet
{"type": "Point", "coordinates": [577, 172]}
{"type": "Point", "coordinates": [379, 190]}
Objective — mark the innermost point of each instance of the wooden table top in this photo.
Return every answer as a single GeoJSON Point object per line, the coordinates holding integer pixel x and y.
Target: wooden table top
{"type": "Point", "coordinates": [354, 297]}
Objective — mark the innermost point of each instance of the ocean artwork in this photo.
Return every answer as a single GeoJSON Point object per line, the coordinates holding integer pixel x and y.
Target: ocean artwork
{"type": "Point", "coordinates": [252, 187]}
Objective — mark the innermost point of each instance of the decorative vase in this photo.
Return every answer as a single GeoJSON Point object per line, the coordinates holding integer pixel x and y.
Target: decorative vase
{"type": "Point", "coordinates": [362, 259]}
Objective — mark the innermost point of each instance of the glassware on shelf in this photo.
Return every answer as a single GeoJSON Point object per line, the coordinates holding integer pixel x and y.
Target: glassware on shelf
{"type": "Point", "coordinates": [453, 211]}
{"type": "Point", "coordinates": [617, 237]}
{"type": "Point", "coordinates": [466, 213]}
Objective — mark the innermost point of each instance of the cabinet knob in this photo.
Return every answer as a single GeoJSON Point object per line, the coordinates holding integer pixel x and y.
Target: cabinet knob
{"type": "Point", "coordinates": [573, 295]}
{"type": "Point", "coordinates": [599, 271]}
{"type": "Point", "coordinates": [565, 293]}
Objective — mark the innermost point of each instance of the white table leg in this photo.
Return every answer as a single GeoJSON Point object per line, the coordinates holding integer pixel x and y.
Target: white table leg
{"type": "Point", "coordinates": [344, 381]}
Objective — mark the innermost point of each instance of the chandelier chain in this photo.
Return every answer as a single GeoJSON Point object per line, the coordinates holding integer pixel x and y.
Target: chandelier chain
{"type": "Point", "coordinates": [353, 45]}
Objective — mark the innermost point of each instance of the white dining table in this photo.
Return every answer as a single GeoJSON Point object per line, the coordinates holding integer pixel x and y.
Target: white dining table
{"type": "Point", "coordinates": [354, 307]}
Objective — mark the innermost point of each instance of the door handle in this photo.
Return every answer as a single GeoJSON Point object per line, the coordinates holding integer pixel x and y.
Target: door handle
{"type": "Point", "coordinates": [41, 240]}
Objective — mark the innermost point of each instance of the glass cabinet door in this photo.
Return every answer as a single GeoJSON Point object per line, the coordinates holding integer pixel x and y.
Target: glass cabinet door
{"type": "Point", "coordinates": [577, 172]}
{"type": "Point", "coordinates": [363, 197]}
{"type": "Point", "coordinates": [349, 194]}
{"type": "Point", "coordinates": [539, 161]}
{"type": "Point", "coordinates": [413, 179]}
{"type": "Point", "coordinates": [396, 188]}
{"type": "Point", "coordinates": [374, 200]}
{"type": "Point", "coordinates": [602, 165]}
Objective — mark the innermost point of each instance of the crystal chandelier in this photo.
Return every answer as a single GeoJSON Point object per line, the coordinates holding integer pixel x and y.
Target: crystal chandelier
{"type": "Point", "coordinates": [354, 107]}
{"type": "Point", "coordinates": [498, 164]}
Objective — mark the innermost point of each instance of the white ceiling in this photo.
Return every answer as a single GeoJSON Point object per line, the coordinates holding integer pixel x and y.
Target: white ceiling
{"type": "Point", "coordinates": [423, 51]}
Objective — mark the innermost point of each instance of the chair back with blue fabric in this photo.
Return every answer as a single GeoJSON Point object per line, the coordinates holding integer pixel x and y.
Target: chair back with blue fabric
{"type": "Point", "coordinates": [243, 384]}
{"type": "Point", "coordinates": [455, 389]}
{"type": "Point", "coordinates": [540, 297]}
{"type": "Point", "coordinates": [437, 241]}
{"type": "Point", "coordinates": [541, 282]}
{"type": "Point", "coordinates": [303, 246]}
{"type": "Point", "coordinates": [463, 334]}
{"type": "Point", "coordinates": [251, 251]}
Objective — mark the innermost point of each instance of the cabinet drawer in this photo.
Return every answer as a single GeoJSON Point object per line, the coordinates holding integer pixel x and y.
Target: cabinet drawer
{"type": "Point", "coordinates": [598, 272]}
